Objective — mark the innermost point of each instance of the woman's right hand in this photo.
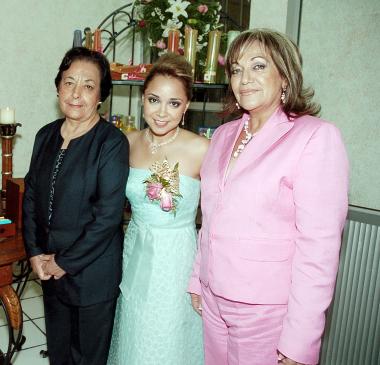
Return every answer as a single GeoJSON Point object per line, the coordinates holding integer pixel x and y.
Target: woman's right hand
{"type": "Point", "coordinates": [282, 359]}
{"type": "Point", "coordinates": [196, 302]}
{"type": "Point", "coordinates": [36, 262]}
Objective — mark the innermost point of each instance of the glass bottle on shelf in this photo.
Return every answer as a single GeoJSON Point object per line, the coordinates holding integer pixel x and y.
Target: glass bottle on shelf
{"type": "Point", "coordinates": [128, 124]}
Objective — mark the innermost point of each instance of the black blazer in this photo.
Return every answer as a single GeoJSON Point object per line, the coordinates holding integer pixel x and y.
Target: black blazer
{"type": "Point", "coordinates": [85, 229]}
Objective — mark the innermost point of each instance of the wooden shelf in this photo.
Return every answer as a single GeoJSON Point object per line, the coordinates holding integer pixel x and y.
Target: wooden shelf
{"type": "Point", "coordinates": [196, 85]}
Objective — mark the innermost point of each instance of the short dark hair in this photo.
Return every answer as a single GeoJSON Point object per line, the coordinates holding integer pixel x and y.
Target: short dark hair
{"type": "Point", "coordinates": [173, 65]}
{"type": "Point", "coordinates": [87, 55]}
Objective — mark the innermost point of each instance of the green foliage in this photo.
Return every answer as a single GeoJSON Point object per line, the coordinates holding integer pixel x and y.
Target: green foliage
{"type": "Point", "coordinates": [157, 17]}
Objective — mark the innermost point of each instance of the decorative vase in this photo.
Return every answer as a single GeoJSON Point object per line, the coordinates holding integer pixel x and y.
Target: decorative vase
{"type": "Point", "coordinates": [212, 56]}
{"type": "Point", "coordinates": [173, 40]}
{"type": "Point", "coordinates": [97, 46]}
{"type": "Point", "coordinates": [190, 50]}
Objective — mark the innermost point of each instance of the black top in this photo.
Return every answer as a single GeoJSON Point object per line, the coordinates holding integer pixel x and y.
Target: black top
{"type": "Point", "coordinates": [84, 230]}
{"type": "Point", "coordinates": [58, 163]}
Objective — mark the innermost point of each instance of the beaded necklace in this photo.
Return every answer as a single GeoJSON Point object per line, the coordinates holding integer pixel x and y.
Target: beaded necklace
{"type": "Point", "coordinates": [245, 140]}
{"type": "Point", "coordinates": [155, 146]}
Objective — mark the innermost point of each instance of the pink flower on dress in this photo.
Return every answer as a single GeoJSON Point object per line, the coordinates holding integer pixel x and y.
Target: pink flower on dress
{"type": "Point", "coordinates": [162, 186]}
{"type": "Point", "coordinates": [160, 44]}
{"type": "Point", "coordinates": [166, 202]}
{"type": "Point", "coordinates": [203, 9]}
{"type": "Point", "coordinates": [153, 191]}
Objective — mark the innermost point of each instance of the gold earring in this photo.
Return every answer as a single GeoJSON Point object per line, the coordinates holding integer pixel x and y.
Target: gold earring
{"type": "Point", "coordinates": [183, 119]}
{"type": "Point", "coordinates": [237, 105]}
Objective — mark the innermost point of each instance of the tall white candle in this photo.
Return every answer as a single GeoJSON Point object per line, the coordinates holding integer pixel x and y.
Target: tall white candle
{"type": "Point", "coordinates": [7, 116]}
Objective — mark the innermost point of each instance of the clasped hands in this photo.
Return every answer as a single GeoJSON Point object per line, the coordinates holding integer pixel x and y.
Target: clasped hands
{"type": "Point", "coordinates": [46, 267]}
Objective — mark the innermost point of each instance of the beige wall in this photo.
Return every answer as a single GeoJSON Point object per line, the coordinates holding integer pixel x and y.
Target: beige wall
{"type": "Point", "coordinates": [340, 43]}
{"type": "Point", "coordinates": [269, 14]}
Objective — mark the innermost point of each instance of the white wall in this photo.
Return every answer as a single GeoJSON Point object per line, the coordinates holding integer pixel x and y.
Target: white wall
{"type": "Point", "coordinates": [34, 35]}
{"type": "Point", "coordinates": [268, 14]}
{"type": "Point", "coordinates": [340, 43]}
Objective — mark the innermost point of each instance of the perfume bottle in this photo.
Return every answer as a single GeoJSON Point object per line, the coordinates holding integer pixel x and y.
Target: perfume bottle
{"type": "Point", "coordinates": [128, 124]}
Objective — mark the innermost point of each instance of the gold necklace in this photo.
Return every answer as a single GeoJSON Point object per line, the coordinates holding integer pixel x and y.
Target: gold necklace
{"type": "Point", "coordinates": [155, 146]}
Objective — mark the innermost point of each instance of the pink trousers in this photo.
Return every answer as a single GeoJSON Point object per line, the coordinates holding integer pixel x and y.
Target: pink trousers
{"type": "Point", "coordinates": [239, 333]}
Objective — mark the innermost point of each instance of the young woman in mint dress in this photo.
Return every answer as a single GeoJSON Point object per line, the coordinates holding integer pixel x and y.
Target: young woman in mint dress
{"type": "Point", "coordinates": [155, 322]}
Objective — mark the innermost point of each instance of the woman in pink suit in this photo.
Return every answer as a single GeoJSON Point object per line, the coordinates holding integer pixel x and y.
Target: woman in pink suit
{"type": "Point", "coordinates": [274, 202]}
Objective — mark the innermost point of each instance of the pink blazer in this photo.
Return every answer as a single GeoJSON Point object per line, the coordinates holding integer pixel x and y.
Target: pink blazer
{"type": "Point", "coordinates": [271, 229]}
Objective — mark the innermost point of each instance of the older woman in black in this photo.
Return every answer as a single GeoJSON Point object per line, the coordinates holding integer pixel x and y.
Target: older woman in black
{"type": "Point", "coordinates": [74, 197]}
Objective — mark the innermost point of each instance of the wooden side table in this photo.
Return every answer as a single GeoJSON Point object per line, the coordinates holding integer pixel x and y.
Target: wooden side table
{"type": "Point", "coordinates": [11, 250]}
{"type": "Point", "coordinates": [13, 199]}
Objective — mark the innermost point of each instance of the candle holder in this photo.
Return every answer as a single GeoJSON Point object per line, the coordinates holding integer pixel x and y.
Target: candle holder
{"type": "Point", "coordinates": [190, 48]}
{"type": "Point", "coordinates": [7, 133]}
{"type": "Point", "coordinates": [173, 40]}
{"type": "Point", "coordinates": [97, 45]}
{"type": "Point", "coordinates": [212, 56]}
{"type": "Point", "coordinates": [88, 38]}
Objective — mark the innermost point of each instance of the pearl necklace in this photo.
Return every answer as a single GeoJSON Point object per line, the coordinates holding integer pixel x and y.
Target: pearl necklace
{"type": "Point", "coordinates": [155, 146]}
{"type": "Point", "coordinates": [245, 140]}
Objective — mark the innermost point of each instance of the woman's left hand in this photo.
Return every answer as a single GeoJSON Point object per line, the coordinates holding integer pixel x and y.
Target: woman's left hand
{"type": "Point", "coordinates": [283, 360]}
{"type": "Point", "coordinates": [50, 267]}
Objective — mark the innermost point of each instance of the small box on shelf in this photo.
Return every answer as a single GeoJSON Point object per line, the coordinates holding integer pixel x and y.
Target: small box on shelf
{"type": "Point", "coordinates": [132, 72]}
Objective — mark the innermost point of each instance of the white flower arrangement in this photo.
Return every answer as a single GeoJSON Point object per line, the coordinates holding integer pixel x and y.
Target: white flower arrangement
{"type": "Point", "coordinates": [156, 17]}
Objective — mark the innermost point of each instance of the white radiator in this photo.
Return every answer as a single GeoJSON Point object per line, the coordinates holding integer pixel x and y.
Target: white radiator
{"type": "Point", "coordinates": [352, 335]}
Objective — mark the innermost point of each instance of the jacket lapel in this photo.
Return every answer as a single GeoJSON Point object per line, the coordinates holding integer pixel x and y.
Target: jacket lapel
{"type": "Point", "coordinates": [273, 130]}
{"type": "Point", "coordinates": [227, 146]}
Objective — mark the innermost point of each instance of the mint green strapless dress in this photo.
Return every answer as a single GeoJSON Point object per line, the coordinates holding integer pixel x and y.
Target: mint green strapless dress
{"type": "Point", "coordinates": [155, 323]}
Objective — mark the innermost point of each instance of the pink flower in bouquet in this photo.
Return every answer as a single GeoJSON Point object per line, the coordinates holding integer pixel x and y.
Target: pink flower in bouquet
{"type": "Point", "coordinates": [166, 203]}
{"type": "Point", "coordinates": [153, 191]}
{"type": "Point", "coordinates": [163, 185]}
{"type": "Point", "coordinates": [221, 60]}
{"type": "Point", "coordinates": [203, 9]}
{"type": "Point", "coordinates": [141, 23]}
{"type": "Point", "coordinates": [160, 44]}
